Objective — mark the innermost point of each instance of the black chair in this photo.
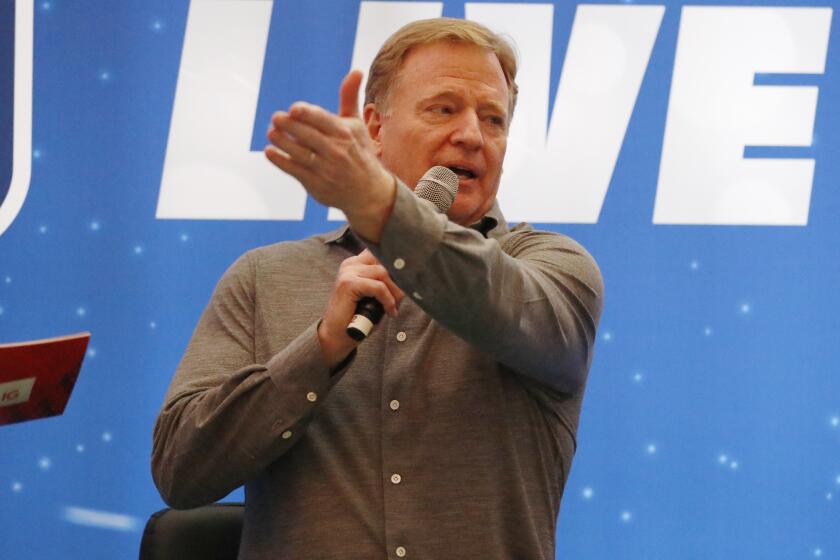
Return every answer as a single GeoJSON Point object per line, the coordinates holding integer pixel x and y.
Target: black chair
{"type": "Point", "coordinates": [207, 533]}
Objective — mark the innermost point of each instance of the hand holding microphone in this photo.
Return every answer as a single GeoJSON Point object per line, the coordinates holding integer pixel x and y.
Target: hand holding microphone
{"type": "Point", "coordinates": [439, 185]}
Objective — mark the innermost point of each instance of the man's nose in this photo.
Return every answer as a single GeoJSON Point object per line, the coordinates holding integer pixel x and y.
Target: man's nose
{"type": "Point", "coordinates": [468, 131]}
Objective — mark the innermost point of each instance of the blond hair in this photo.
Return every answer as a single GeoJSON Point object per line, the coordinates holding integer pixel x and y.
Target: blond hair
{"type": "Point", "coordinates": [386, 66]}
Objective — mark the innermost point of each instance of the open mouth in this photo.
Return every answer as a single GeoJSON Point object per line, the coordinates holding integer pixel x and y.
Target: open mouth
{"type": "Point", "coordinates": [462, 172]}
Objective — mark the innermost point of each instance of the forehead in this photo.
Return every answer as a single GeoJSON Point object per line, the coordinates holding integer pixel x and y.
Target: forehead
{"type": "Point", "coordinates": [429, 68]}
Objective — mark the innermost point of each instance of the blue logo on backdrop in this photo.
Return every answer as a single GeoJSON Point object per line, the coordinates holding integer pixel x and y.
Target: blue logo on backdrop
{"type": "Point", "coordinates": [15, 107]}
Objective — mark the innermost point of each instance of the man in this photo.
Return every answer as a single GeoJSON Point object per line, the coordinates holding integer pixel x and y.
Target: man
{"type": "Point", "coordinates": [450, 431]}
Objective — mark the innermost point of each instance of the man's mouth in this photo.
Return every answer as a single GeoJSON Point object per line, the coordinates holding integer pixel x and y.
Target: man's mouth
{"type": "Point", "coordinates": [462, 172]}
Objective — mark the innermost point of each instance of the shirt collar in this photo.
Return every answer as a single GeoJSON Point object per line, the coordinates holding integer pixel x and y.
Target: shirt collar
{"type": "Point", "coordinates": [493, 223]}
{"type": "Point", "coordinates": [344, 237]}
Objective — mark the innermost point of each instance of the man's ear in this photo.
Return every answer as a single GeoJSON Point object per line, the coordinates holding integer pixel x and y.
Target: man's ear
{"type": "Point", "coordinates": [373, 122]}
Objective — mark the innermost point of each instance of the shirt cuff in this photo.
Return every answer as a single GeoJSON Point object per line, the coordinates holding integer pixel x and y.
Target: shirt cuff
{"type": "Point", "coordinates": [302, 378]}
{"type": "Point", "coordinates": [411, 235]}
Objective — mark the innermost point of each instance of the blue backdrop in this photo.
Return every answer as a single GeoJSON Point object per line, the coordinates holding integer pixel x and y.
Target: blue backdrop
{"type": "Point", "coordinates": [711, 424]}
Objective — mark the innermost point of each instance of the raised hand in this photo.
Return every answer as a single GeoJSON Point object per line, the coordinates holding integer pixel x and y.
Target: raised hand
{"type": "Point", "coordinates": [333, 158]}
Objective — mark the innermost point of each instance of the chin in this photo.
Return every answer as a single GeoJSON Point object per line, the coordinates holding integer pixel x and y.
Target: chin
{"type": "Point", "coordinates": [461, 215]}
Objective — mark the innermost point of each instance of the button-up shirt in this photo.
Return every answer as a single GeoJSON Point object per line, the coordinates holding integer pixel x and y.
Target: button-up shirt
{"type": "Point", "coordinates": [448, 433]}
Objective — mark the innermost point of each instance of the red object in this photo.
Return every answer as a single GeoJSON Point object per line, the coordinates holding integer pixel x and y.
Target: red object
{"type": "Point", "coordinates": [37, 377]}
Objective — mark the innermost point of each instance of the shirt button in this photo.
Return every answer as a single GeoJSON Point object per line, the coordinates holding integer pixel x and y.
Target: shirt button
{"type": "Point", "coordinates": [311, 397]}
{"type": "Point", "coordinates": [394, 404]}
{"type": "Point", "coordinates": [400, 551]}
{"type": "Point", "coordinates": [395, 478]}
{"type": "Point", "coordinates": [401, 336]}
{"type": "Point", "coordinates": [399, 264]}
{"type": "Point", "coordinates": [286, 435]}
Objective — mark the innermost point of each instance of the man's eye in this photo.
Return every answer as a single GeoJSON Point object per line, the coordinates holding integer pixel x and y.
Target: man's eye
{"type": "Point", "coordinates": [496, 120]}
{"type": "Point", "coordinates": [442, 109]}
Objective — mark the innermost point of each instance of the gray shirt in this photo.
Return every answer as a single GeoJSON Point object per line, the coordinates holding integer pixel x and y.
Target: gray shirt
{"type": "Point", "coordinates": [448, 433]}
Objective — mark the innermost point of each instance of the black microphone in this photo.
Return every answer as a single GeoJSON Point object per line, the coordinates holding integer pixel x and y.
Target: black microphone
{"type": "Point", "coordinates": [439, 185]}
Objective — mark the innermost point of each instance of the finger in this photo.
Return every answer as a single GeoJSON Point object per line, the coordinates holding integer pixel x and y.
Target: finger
{"type": "Point", "coordinates": [367, 257]}
{"type": "Point", "coordinates": [287, 164]}
{"type": "Point", "coordinates": [395, 291]}
{"type": "Point", "coordinates": [318, 118]}
{"type": "Point", "coordinates": [367, 287]}
{"type": "Point", "coordinates": [307, 136]}
{"type": "Point", "coordinates": [348, 94]}
{"type": "Point", "coordinates": [376, 272]}
{"type": "Point", "coordinates": [290, 145]}
{"type": "Point", "coordinates": [355, 266]}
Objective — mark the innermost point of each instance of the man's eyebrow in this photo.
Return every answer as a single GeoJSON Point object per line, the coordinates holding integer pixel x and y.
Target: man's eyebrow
{"type": "Point", "coordinates": [446, 94]}
{"type": "Point", "coordinates": [449, 94]}
{"type": "Point", "coordinates": [495, 106]}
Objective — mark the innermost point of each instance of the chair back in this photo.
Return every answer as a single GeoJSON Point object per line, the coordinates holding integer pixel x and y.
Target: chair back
{"type": "Point", "coordinates": [207, 533]}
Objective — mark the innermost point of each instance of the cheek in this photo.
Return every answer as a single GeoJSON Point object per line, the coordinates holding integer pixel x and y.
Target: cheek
{"type": "Point", "coordinates": [495, 146]}
{"type": "Point", "coordinates": [468, 199]}
{"type": "Point", "coordinates": [387, 154]}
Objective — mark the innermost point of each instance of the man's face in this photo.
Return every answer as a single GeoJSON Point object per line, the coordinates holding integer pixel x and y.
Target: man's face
{"type": "Point", "coordinates": [448, 106]}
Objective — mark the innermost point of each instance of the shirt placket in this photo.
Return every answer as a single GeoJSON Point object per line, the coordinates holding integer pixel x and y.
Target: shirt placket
{"type": "Point", "coordinates": [396, 430]}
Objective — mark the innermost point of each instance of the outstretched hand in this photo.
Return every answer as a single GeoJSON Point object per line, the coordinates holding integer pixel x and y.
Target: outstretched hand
{"type": "Point", "coordinates": [333, 157]}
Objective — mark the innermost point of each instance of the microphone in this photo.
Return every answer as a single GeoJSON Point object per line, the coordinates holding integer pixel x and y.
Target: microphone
{"type": "Point", "coordinates": [438, 185]}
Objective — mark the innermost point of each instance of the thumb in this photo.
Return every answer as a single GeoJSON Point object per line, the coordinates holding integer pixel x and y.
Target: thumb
{"type": "Point", "coordinates": [348, 94]}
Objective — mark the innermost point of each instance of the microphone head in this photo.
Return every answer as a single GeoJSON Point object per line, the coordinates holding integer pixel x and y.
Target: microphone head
{"type": "Point", "coordinates": [439, 185]}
